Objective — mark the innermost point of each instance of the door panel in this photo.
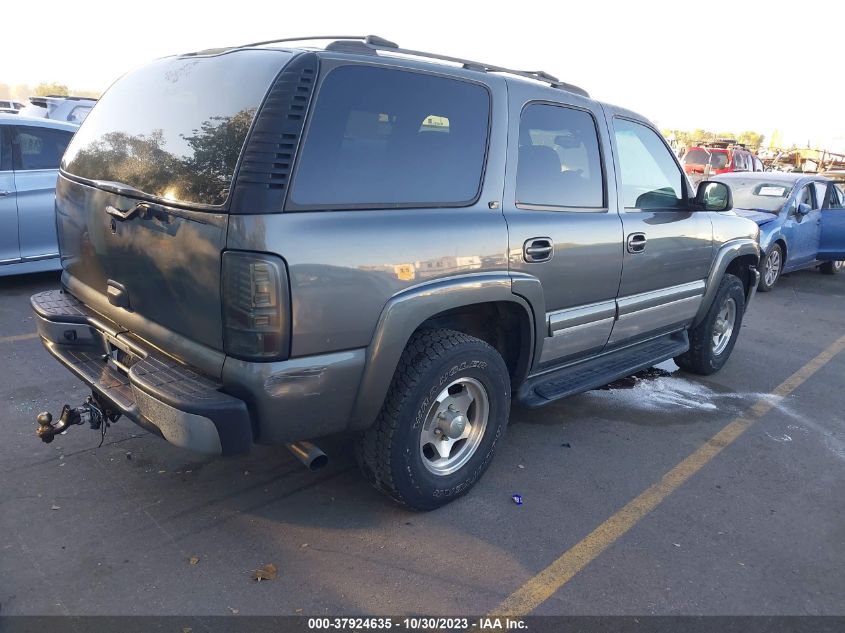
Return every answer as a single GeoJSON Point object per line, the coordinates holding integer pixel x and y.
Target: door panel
{"type": "Point", "coordinates": [9, 249]}
{"type": "Point", "coordinates": [669, 248]}
{"type": "Point", "coordinates": [644, 313]}
{"type": "Point", "coordinates": [832, 238]}
{"type": "Point", "coordinates": [37, 212]}
{"type": "Point", "coordinates": [578, 329]}
{"type": "Point", "coordinates": [560, 193]}
{"type": "Point", "coordinates": [38, 151]}
{"type": "Point", "coordinates": [802, 233]}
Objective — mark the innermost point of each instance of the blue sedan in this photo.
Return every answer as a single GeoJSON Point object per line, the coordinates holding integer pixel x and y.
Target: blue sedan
{"type": "Point", "coordinates": [30, 152]}
{"type": "Point", "coordinates": [801, 219]}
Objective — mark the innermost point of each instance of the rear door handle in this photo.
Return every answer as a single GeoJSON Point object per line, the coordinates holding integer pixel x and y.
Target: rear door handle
{"type": "Point", "coordinates": [538, 249]}
{"type": "Point", "coordinates": [636, 242]}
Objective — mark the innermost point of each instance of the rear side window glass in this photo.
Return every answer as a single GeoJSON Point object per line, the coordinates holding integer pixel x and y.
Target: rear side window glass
{"type": "Point", "coordinates": [821, 194]}
{"type": "Point", "coordinates": [78, 114]}
{"type": "Point", "coordinates": [650, 177]}
{"type": "Point", "coordinates": [382, 138]}
{"type": "Point", "coordinates": [559, 159]}
{"type": "Point", "coordinates": [174, 129]}
{"type": "Point", "coordinates": [41, 148]}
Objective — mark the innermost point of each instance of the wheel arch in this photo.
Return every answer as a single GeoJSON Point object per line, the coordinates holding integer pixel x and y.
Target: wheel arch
{"type": "Point", "coordinates": [456, 303]}
{"type": "Point", "coordinates": [781, 241]}
{"type": "Point", "coordinates": [740, 257]}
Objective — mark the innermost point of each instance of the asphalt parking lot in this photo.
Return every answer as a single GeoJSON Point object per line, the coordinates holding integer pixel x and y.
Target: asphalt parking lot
{"type": "Point", "coordinates": [758, 527]}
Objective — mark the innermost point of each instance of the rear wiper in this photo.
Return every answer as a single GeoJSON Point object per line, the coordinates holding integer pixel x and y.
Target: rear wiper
{"type": "Point", "coordinates": [117, 187]}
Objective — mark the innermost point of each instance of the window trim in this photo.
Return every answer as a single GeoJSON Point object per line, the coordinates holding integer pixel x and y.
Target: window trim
{"type": "Point", "coordinates": [289, 206]}
{"type": "Point", "coordinates": [604, 208]}
{"type": "Point", "coordinates": [686, 207]}
{"type": "Point", "coordinates": [6, 162]}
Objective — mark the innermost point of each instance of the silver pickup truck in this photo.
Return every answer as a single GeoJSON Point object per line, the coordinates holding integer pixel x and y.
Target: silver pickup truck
{"type": "Point", "coordinates": [270, 244]}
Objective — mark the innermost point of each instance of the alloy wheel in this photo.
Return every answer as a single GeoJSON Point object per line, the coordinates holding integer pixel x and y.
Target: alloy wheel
{"type": "Point", "coordinates": [724, 326]}
{"type": "Point", "coordinates": [454, 426]}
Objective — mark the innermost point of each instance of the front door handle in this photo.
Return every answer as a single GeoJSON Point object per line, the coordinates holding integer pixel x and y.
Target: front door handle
{"type": "Point", "coordinates": [538, 249]}
{"type": "Point", "coordinates": [636, 242]}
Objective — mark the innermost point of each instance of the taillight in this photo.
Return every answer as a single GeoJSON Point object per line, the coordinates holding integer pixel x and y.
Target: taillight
{"type": "Point", "coordinates": [256, 323]}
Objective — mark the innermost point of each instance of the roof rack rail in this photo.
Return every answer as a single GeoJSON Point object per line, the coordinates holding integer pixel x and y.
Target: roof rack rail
{"type": "Point", "coordinates": [374, 40]}
{"type": "Point", "coordinates": [373, 43]}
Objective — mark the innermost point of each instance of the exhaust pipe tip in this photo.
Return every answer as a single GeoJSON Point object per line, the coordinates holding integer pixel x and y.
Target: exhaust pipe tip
{"type": "Point", "coordinates": [310, 456]}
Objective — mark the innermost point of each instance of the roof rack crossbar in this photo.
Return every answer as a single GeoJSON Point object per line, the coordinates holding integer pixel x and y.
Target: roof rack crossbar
{"type": "Point", "coordinates": [376, 43]}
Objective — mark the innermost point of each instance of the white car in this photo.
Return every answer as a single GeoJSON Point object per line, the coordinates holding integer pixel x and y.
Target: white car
{"type": "Point", "coordinates": [58, 108]}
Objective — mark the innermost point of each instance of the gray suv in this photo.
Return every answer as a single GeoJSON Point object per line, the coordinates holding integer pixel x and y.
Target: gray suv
{"type": "Point", "coordinates": [271, 244]}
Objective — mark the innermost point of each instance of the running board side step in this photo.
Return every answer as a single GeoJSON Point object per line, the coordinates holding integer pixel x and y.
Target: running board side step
{"type": "Point", "coordinates": [600, 370]}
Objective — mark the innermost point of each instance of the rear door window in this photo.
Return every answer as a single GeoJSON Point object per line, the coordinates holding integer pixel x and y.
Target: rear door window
{"type": "Point", "coordinates": [174, 129]}
{"type": "Point", "coordinates": [40, 147]}
{"type": "Point", "coordinates": [650, 177]}
{"type": "Point", "coordinates": [559, 158]}
{"type": "Point", "coordinates": [382, 138]}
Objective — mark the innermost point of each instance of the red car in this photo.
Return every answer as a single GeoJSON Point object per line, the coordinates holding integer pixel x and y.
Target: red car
{"type": "Point", "coordinates": [706, 160]}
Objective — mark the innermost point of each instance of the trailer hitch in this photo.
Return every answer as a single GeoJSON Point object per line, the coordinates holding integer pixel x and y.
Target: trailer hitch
{"type": "Point", "coordinates": [91, 412]}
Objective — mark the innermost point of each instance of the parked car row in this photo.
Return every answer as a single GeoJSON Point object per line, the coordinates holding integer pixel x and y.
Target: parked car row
{"type": "Point", "coordinates": [59, 108]}
{"type": "Point", "coordinates": [721, 157]}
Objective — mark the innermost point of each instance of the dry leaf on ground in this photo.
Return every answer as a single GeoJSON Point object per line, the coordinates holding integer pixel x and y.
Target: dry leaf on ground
{"type": "Point", "coordinates": [268, 572]}
{"type": "Point", "coordinates": [194, 560]}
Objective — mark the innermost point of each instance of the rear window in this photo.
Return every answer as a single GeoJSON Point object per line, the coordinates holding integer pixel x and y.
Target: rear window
{"type": "Point", "coordinates": [174, 129]}
{"type": "Point", "coordinates": [716, 159]}
{"type": "Point", "coordinates": [383, 138]}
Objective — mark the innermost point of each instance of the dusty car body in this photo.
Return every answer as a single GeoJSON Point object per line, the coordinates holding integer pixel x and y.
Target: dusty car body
{"type": "Point", "coordinates": [363, 238]}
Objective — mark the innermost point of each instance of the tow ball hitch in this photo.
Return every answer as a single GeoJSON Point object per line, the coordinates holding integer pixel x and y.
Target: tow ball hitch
{"type": "Point", "coordinates": [91, 412]}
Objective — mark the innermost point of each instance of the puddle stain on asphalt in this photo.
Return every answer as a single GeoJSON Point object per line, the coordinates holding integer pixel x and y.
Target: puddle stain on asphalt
{"type": "Point", "coordinates": [658, 389]}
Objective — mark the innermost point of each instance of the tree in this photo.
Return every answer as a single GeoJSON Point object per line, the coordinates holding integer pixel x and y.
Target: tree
{"type": "Point", "coordinates": [752, 140]}
{"type": "Point", "coordinates": [43, 89]}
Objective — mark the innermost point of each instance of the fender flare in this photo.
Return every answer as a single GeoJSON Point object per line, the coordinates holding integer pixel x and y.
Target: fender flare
{"type": "Point", "coordinates": [406, 311]}
{"type": "Point", "coordinates": [727, 253]}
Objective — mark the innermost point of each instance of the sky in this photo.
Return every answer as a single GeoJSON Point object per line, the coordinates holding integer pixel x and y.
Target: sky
{"type": "Point", "coordinates": [723, 66]}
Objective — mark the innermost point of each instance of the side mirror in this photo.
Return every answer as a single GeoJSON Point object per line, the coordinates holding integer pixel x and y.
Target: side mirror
{"type": "Point", "coordinates": [803, 209]}
{"type": "Point", "coordinates": [713, 196]}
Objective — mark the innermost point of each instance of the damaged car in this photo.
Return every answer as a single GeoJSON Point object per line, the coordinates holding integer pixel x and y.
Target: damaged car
{"type": "Point", "coordinates": [801, 219]}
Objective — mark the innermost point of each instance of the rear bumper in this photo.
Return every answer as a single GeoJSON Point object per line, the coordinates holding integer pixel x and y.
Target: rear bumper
{"type": "Point", "coordinates": [181, 405]}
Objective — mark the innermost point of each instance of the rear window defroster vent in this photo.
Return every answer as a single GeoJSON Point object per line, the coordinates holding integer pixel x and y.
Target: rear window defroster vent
{"type": "Point", "coordinates": [270, 150]}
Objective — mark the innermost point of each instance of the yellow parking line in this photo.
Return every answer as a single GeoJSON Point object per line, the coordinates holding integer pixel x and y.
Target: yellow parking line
{"type": "Point", "coordinates": [18, 337]}
{"type": "Point", "coordinates": [542, 586]}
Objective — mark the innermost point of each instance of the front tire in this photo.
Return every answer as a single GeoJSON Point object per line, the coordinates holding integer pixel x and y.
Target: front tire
{"type": "Point", "coordinates": [832, 268]}
{"type": "Point", "coordinates": [713, 340]}
{"type": "Point", "coordinates": [772, 267]}
{"type": "Point", "coordinates": [447, 406]}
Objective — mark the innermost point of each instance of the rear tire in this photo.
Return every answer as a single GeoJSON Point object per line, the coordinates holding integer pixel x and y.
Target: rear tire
{"type": "Point", "coordinates": [413, 452]}
{"type": "Point", "coordinates": [772, 266]}
{"type": "Point", "coordinates": [713, 340]}
{"type": "Point", "coordinates": [832, 268]}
